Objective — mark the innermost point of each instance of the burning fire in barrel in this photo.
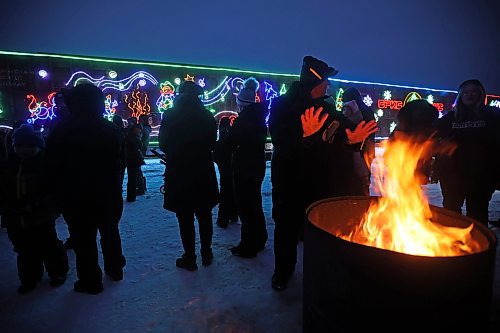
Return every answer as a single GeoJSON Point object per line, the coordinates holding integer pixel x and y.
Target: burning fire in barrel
{"type": "Point", "coordinates": [395, 262]}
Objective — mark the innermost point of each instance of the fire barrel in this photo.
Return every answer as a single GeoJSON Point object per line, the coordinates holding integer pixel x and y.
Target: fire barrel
{"type": "Point", "coordinates": [350, 287]}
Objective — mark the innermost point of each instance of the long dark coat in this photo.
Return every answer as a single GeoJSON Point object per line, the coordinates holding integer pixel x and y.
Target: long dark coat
{"type": "Point", "coordinates": [187, 137]}
{"type": "Point", "coordinates": [84, 159]}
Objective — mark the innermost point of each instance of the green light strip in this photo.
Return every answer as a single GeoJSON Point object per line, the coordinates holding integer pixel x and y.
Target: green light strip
{"type": "Point", "coordinates": [221, 69]}
{"type": "Point", "coordinates": [61, 56]}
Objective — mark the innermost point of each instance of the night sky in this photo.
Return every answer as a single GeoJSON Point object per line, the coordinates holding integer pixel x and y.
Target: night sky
{"type": "Point", "coordinates": [431, 43]}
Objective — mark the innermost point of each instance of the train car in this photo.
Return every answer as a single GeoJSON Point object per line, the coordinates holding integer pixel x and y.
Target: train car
{"type": "Point", "coordinates": [29, 81]}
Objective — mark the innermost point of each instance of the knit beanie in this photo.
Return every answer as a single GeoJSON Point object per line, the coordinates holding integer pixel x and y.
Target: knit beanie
{"type": "Point", "coordinates": [26, 136]}
{"type": "Point", "coordinates": [246, 96]}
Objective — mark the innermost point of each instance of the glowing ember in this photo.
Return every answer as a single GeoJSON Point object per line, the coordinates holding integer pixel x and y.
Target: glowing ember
{"type": "Point", "coordinates": [401, 219]}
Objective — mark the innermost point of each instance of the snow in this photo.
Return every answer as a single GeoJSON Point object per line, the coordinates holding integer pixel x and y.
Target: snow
{"type": "Point", "coordinates": [231, 295]}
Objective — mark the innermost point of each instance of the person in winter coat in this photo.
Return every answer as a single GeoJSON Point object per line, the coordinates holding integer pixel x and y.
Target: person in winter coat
{"type": "Point", "coordinates": [145, 121]}
{"type": "Point", "coordinates": [118, 121]}
{"type": "Point", "coordinates": [223, 156]}
{"type": "Point", "coordinates": [84, 158]}
{"type": "Point", "coordinates": [310, 142]}
{"type": "Point", "coordinates": [471, 172]}
{"type": "Point", "coordinates": [358, 178]}
{"type": "Point", "coordinates": [25, 208]}
{"type": "Point", "coordinates": [247, 140]}
{"type": "Point", "coordinates": [134, 160]}
{"type": "Point", "coordinates": [187, 137]}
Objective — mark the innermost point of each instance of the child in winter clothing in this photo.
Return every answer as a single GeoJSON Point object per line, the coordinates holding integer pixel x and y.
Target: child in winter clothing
{"type": "Point", "coordinates": [25, 208]}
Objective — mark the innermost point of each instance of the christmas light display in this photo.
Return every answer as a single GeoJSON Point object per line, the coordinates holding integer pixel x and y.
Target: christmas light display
{"type": "Point", "coordinates": [167, 95]}
{"type": "Point", "coordinates": [492, 100]}
{"type": "Point", "coordinates": [413, 96]}
{"type": "Point", "coordinates": [109, 107]}
{"type": "Point", "coordinates": [392, 127]}
{"type": "Point", "coordinates": [138, 102]}
{"type": "Point", "coordinates": [41, 110]}
{"type": "Point", "coordinates": [105, 84]}
{"type": "Point", "coordinates": [270, 94]}
{"type": "Point", "coordinates": [430, 99]}
{"type": "Point", "coordinates": [43, 73]}
{"type": "Point", "coordinates": [189, 78]}
{"type": "Point", "coordinates": [219, 93]}
{"type": "Point", "coordinates": [389, 104]}
{"type": "Point", "coordinates": [338, 99]}
{"type": "Point", "coordinates": [218, 82]}
{"type": "Point", "coordinates": [387, 95]}
{"type": "Point", "coordinates": [230, 114]}
{"type": "Point", "coordinates": [237, 85]}
{"type": "Point", "coordinates": [283, 89]}
{"type": "Point", "coordinates": [368, 100]}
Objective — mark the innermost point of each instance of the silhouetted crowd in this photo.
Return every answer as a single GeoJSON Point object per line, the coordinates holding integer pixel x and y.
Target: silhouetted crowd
{"type": "Point", "coordinates": [76, 169]}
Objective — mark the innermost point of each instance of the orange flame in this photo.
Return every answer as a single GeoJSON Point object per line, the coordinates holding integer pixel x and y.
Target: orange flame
{"type": "Point", "coordinates": [401, 219]}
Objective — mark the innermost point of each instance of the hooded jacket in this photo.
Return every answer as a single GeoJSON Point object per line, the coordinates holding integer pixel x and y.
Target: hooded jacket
{"type": "Point", "coordinates": [476, 134]}
{"type": "Point", "coordinates": [187, 137]}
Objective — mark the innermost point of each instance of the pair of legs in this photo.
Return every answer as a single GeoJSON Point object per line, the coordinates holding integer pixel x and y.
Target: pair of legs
{"type": "Point", "coordinates": [288, 215]}
{"type": "Point", "coordinates": [83, 228]}
{"type": "Point", "coordinates": [37, 247]}
{"type": "Point", "coordinates": [477, 199]}
{"type": "Point", "coordinates": [188, 237]}
{"type": "Point", "coordinates": [253, 223]}
{"type": "Point", "coordinates": [227, 206]}
{"type": "Point", "coordinates": [136, 183]}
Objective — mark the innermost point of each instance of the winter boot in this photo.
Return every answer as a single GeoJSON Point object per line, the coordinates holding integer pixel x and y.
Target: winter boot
{"type": "Point", "coordinates": [57, 281]}
{"type": "Point", "coordinates": [187, 262]}
{"type": "Point", "coordinates": [207, 257]}
{"type": "Point", "coordinates": [88, 288]}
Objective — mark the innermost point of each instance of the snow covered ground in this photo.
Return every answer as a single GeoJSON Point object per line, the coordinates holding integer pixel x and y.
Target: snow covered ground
{"type": "Point", "coordinates": [232, 295]}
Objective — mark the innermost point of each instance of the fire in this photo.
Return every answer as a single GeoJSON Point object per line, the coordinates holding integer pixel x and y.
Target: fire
{"type": "Point", "coordinates": [401, 220]}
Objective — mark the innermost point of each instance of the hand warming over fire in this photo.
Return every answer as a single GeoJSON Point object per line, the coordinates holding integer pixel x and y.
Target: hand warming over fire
{"type": "Point", "coordinates": [311, 121]}
{"type": "Point", "coordinates": [361, 132]}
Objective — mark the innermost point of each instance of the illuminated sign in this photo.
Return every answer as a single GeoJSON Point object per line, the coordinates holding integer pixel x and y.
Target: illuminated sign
{"type": "Point", "coordinates": [493, 100]}
{"type": "Point", "coordinates": [389, 104]}
{"type": "Point", "coordinates": [397, 105]}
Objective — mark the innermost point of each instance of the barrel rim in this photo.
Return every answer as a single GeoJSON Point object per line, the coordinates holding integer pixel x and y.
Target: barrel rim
{"type": "Point", "coordinates": [490, 235]}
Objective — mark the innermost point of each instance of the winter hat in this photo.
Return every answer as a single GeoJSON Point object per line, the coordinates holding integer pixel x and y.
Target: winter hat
{"type": "Point", "coordinates": [190, 88]}
{"type": "Point", "coordinates": [84, 100]}
{"type": "Point", "coordinates": [314, 71]}
{"type": "Point", "coordinates": [246, 96]}
{"type": "Point", "coordinates": [352, 94]}
{"type": "Point", "coordinates": [26, 136]}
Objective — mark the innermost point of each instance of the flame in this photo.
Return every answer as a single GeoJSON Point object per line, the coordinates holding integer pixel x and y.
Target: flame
{"type": "Point", "coordinates": [401, 219]}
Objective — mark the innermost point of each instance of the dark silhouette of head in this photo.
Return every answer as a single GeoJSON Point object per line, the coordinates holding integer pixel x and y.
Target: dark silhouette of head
{"type": "Point", "coordinates": [117, 120]}
{"type": "Point", "coordinates": [470, 99]}
{"type": "Point", "coordinates": [145, 120]}
{"type": "Point", "coordinates": [418, 117]}
{"type": "Point", "coordinates": [85, 101]}
{"type": "Point", "coordinates": [314, 76]}
{"type": "Point", "coordinates": [131, 121]}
